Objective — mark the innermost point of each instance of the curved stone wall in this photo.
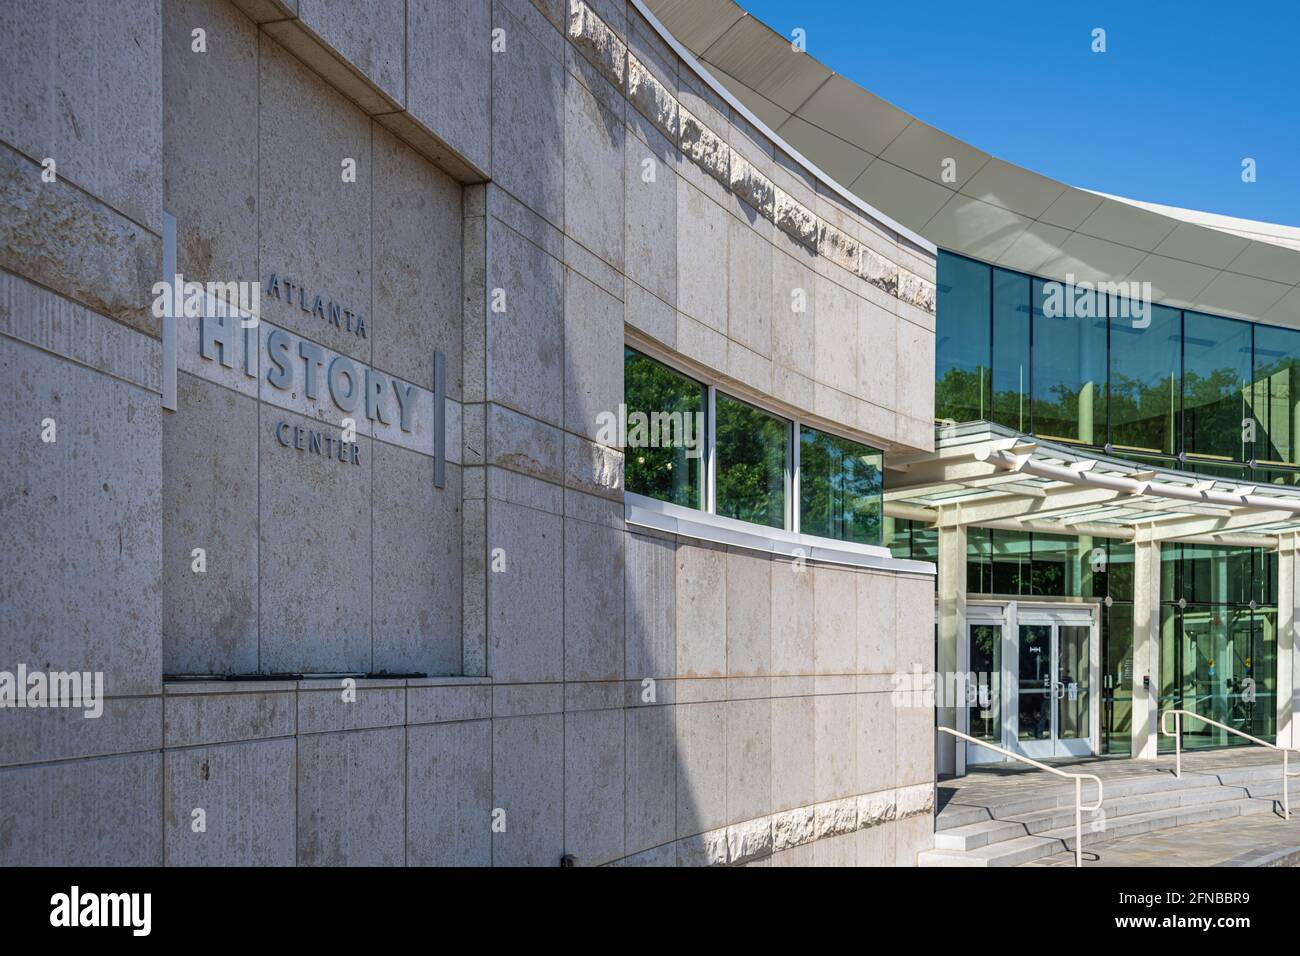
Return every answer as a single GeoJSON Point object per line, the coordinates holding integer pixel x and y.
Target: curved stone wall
{"type": "Point", "coordinates": [533, 186]}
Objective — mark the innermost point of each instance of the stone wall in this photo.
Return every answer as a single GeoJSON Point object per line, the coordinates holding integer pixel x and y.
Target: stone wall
{"type": "Point", "coordinates": [607, 692]}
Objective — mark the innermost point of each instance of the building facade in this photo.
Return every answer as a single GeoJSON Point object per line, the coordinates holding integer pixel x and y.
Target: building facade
{"type": "Point", "coordinates": [593, 432]}
{"type": "Point", "coordinates": [372, 537]}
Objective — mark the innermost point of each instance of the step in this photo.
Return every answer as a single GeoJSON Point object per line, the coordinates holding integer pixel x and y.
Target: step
{"type": "Point", "coordinates": [968, 807]}
{"type": "Point", "coordinates": [1136, 823]}
{"type": "Point", "coordinates": [1008, 853]}
{"type": "Point", "coordinates": [986, 832]}
{"type": "Point", "coordinates": [1024, 849]}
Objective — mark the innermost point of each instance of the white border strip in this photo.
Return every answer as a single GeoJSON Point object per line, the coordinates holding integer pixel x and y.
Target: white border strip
{"type": "Point", "coordinates": [702, 71]}
{"type": "Point", "coordinates": [688, 522]}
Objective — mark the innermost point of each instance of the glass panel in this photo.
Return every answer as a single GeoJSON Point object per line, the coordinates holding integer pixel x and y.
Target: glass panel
{"type": "Point", "coordinates": [1216, 469]}
{"type": "Point", "coordinates": [665, 431]}
{"type": "Point", "coordinates": [986, 674]}
{"type": "Point", "coordinates": [1052, 567]}
{"type": "Point", "coordinates": [1215, 575]}
{"type": "Point", "coordinates": [1011, 349]}
{"type": "Point", "coordinates": [1276, 476]}
{"type": "Point", "coordinates": [961, 347]}
{"type": "Point", "coordinates": [1034, 682]}
{"type": "Point", "coordinates": [1073, 690]}
{"type": "Point", "coordinates": [1119, 572]}
{"type": "Point", "coordinates": [839, 488]}
{"type": "Point", "coordinates": [1069, 364]}
{"type": "Point", "coordinates": [1011, 564]}
{"type": "Point", "coordinates": [1216, 374]}
{"type": "Point", "coordinates": [1218, 656]}
{"type": "Point", "coordinates": [1145, 372]}
{"type": "Point", "coordinates": [979, 561]}
{"type": "Point", "coordinates": [1206, 670]}
{"type": "Point", "coordinates": [1171, 686]}
{"type": "Point", "coordinates": [752, 448]}
{"type": "Point", "coordinates": [1264, 589]}
{"type": "Point", "coordinates": [1275, 394]}
{"type": "Point", "coordinates": [1258, 663]}
{"type": "Point", "coordinates": [1117, 689]}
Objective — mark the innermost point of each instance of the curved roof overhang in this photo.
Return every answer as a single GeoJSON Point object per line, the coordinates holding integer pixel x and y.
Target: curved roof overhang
{"type": "Point", "coordinates": [988, 476]}
{"type": "Point", "coordinates": [993, 211]}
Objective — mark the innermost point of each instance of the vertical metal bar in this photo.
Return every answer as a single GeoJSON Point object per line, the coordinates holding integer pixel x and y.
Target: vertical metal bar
{"type": "Point", "coordinates": [796, 480]}
{"type": "Point", "coordinates": [710, 471]}
{"type": "Point", "coordinates": [1178, 744]}
{"type": "Point", "coordinates": [169, 314]}
{"type": "Point", "coordinates": [439, 420]}
{"type": "Point", "coordinates": [1078, 821]}
{"type": "Point", "coordinates": [1286, 795]}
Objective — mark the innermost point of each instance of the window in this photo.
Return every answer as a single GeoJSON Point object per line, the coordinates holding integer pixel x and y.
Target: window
{"type": "Point", "coordinates": [1146, 381]}
{"type": "Point", "coordinates": [694, 446]}
{"type": "Point", "coordinates": [840, 484]}
{"type": "Point", "coordinates": [753, 449]}
{"type": "Point", "coordinates": [1275, 395]}
{"type": "Point", "coordinates": [1069, 363]}
{"type": "Point", "coordinates": [665, 432]}
{"type": "Point", "coordinates": [1011, 349]}
{"type": "Point", "coordinates": [961, 349]}
{"type": "Point", "coordinates": [1216, 376]}
{"type": "Point", "coordinates": [1156, 385]}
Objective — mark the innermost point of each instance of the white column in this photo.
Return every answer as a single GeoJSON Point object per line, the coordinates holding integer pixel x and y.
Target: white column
{"type": "Point", "coordinates": [1288, 615]}
{"type": "Point", "coordinates": [1146, 648]}
{"type": "Point", "coordinates": [953, 650]}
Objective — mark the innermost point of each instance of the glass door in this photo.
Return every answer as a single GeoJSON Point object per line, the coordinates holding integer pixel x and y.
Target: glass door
{"type": "Point", "coordinates": [1073, 688]}
{"type": "Point", "coordinates": [1053, 685]}
{"type": "Point", "coordinates": [1034, 683]}
{"type": "Point", "coordinates": [982, 712]}
{"type": "Point", "coordinates": [982, 699]}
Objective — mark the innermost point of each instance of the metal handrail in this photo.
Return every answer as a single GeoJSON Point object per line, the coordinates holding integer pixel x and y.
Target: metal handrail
{"type": "Point", "coordinates": [1078, 779]}
{"type": "Point", "coordinates": [1178, 749]}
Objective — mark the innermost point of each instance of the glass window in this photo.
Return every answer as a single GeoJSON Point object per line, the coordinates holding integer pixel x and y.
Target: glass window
{"type": "Point", "coordinates": [1216, 377]}
{"type": "Point", "coordinates": [1011, 349]}
{"type": "Point", "coordinates": [839, 488]}
{"type": "Point", "coordinates": [1069, 367]}
{"type": "Point", "coordinates": [1275, 395]}
{"type": "Point", "coordinates": [979, 560]}
{"type": "Point", "coordinates": [752, 455]}
{"type": "Point", "coordinates": [1117, 683]}
{"type": "Point", "coordinates": [961, 348]}
{"type": "Point", "coordinates": [1145, 381]}
{"type": "Point", "coordinates": [1118, 585]}
{"type": "Point", "coordinates": [665, 432]}
{"type": "Point", "coordinates": [1011, 553]}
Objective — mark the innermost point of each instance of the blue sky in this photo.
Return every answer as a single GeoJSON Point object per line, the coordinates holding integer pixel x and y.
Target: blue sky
{"type": "Point", "coordinates": [1184, 92]}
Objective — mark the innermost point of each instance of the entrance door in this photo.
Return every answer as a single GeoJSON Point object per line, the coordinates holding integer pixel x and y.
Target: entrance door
{"type": "Point", "coordinates": [1031, 672]}
{"type": "Point", "coordinates": [1053, 682]}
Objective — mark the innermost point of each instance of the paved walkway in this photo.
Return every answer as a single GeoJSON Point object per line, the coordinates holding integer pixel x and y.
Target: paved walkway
{"type": "Point", "coordinates": [1240, 841]}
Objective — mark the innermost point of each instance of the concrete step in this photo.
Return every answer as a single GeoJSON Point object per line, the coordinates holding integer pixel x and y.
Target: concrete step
{"type": "Point", "coordinates": [1026, 848]}
{"type": "Point", "coordinates": [973, 807]}
{"type": "Point", "coordinates": [1137, 823]}
{"type": "Point", "coordinates": [1006, 853]}
{"type": "Point", "coordinates": [989, 831]}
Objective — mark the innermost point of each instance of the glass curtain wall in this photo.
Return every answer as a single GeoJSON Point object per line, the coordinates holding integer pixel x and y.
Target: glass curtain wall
{"type": "Point", "coordinates": [1218, 641]}
{"type": "Point", "coordinates": [1158, 385]}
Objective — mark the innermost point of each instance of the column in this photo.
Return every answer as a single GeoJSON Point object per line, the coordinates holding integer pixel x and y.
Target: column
{"type": "Point", "coordinates": [1287, 658]}
{"type": "Point", "coordinates": [952, 654]}
{"type": "Point", "coordinates": [1146, 648]}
